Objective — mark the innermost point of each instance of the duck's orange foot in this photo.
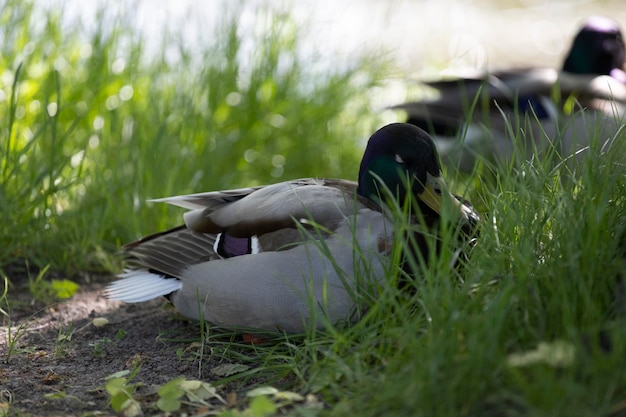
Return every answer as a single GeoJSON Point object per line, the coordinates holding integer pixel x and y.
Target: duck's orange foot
{"type": "Point", "coordinates": [251, 339]}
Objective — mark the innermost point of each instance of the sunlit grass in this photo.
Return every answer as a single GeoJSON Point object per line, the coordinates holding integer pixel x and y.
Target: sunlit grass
{"type": "Point", "coordinates": [93, 126]}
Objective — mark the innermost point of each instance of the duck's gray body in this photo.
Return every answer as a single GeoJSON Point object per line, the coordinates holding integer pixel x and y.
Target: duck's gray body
{"type": "Point", "coordinates": [309, 283]}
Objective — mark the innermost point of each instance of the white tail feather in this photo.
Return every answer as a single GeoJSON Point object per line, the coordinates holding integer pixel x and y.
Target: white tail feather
{"type": "Point", "coordinates": [140, 285]}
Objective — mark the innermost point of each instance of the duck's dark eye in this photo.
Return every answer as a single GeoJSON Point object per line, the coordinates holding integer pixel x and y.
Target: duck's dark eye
{"type": "Point", "coordinates": [437, 190]}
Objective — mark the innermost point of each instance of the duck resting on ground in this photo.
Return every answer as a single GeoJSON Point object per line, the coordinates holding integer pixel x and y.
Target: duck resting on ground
{"type": "Point", "coordinates": [477, 115]}
{"type": "Point", "coordinates": [296, 254]}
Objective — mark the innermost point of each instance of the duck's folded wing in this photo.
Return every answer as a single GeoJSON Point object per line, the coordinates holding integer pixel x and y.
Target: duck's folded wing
{"type": "Point", "coordinates": [254, 212]}
{"type": "Point", "coordinates": [507, 85]}
{"type": "Point", "coordinates": [207, 199]}
{"type": "Point", "coordinates": [172, 251]}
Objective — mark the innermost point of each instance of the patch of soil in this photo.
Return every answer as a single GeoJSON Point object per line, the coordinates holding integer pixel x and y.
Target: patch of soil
{"type": "Point", "coordinates": [60, 351]}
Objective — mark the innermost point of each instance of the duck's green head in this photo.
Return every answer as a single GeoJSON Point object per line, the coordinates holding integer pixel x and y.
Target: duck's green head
{"type": "Point", "coordinates": [404, 158]}
{"type": "Point", "coordinates": [598, 48]}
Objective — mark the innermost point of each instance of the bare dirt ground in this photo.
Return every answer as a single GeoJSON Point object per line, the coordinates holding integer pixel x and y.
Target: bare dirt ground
{"type": "Point", "coordinates": [60, 362]}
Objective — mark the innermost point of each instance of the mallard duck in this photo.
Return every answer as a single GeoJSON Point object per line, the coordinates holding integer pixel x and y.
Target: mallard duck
{"type": "Point", "coordinates": [486, 110]}
{"type": "Point", "coordinates": [293, 254]}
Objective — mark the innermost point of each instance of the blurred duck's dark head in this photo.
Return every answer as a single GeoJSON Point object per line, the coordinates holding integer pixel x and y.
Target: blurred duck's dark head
{"type": "Point", "coordinates": [598, 48]}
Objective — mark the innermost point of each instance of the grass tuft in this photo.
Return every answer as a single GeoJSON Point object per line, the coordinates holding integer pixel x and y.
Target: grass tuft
{"type": "Point", "coordinates": [94, 125]}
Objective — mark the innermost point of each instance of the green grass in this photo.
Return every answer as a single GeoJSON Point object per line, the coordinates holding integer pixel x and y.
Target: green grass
{"type": "Point", "coordinates": [545, 270]}
{"type": "Point", "coordinates": [93, 125]}
{"type": "Point", "coordinates": [523, 331]}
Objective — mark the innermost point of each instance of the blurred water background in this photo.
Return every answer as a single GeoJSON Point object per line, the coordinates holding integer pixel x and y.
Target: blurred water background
{"type": "Point", "coordinates": [423, 37]}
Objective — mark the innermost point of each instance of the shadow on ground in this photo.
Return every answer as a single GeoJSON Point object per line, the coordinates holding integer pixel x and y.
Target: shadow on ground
{"type": "Point", "coordinates": [60, 362]}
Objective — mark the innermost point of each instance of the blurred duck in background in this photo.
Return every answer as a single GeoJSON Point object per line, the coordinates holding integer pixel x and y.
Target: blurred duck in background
{"type": "Point", "coordinates": [598, 48]}
{"type": "Point", "coordinates": [506, 115]}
